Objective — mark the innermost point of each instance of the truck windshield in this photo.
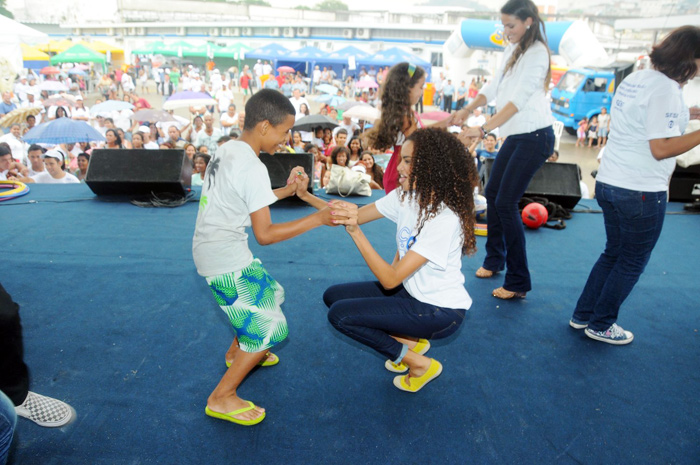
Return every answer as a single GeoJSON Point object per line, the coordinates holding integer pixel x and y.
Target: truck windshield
{"type": "Point", "coordinates": [570, 82]}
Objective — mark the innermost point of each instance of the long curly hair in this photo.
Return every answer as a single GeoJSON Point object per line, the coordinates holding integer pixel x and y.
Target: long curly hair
{"type": "Point", "coordinates": [443, 174]}
{"type": "Point", "coordinates": [523, 9]}
{"type": "Point", "coordinates": [395, 105]}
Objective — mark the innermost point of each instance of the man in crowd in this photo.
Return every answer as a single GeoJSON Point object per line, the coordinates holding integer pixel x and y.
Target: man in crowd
{"type": "Point", "coordinates": [7, 105]}
{"type": "Point", "coordinates": [209, 135]}
{"type": "Point", "coordinates": [448, 91]}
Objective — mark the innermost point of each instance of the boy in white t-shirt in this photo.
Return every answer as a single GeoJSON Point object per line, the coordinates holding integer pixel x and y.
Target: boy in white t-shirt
{"type": "Point", "coordinates": [236, 194]}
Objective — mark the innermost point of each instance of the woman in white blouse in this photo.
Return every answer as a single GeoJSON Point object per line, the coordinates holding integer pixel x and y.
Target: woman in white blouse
{"type": "Point", "coordinates": [524, 118]}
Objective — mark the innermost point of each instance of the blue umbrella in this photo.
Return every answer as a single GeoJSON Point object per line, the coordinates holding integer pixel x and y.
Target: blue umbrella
{"type": "Point", "coordinates": [109, 106]}
{"type": "Point", "coordinates": [327, 89]}
{"type": "Point", "coordinates": [332, 100]}
{"type": "Point", "coordinates": [62, 131]}
{"type": "Point", "coordinates": [77, 72]}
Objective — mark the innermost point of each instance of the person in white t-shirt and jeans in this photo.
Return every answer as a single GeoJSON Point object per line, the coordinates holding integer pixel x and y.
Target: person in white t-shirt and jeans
{"type": "Point", "coordinates": [421, 294]}
{"type": "Point", "coordinates": [649, 118]}
{"type": "Point", "coordinates": [524, 118]}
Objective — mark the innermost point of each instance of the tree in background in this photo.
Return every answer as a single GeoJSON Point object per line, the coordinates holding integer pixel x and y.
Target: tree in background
{"type": "Point", "coordinates": [4, 11]}
{"type": "Point", "coordinates": [332, 5]}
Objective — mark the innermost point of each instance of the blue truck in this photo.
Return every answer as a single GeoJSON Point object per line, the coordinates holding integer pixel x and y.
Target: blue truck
{"type": "Point", "coordinates": [583, 92]}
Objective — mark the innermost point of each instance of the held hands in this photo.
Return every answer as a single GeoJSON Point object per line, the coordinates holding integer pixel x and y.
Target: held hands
{"type": "Point", "coordinates": [298, 182]}
{"type": "Point", "coordinates": [467, 135]}
{"type": "Point", "coordinates": [344, 213]}
{"type": "Point", "coordinates": [458, 118]}
{"type": "Point", "coordinates": [695, 112]}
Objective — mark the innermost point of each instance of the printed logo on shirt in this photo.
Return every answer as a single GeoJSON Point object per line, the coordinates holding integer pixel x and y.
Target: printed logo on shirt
{"type": "Point", "coordinates": [670, 124]}
{"type": "Point", "coordinates": [406, 240]}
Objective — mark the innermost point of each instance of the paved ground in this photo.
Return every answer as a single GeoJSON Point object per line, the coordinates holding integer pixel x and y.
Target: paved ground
{"type": "Point", "coordinates": [568, 152]}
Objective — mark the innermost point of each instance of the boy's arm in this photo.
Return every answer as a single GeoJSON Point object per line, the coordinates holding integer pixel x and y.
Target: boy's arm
{"type": "Point", "coordinates": [266, 232]}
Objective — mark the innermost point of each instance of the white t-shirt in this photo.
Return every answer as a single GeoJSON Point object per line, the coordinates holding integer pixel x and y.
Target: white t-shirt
{"type": "Point", "coordinates": [439, 281]}
{"type": "Point", "coordinates": [350, 128]}
{"type": "Point", "coordinates": [225, 118]}
{"type": "Point", "coordinates": [297, 103]}
{"type": "Point", "coordinates": [19, 148]}
{"type": "Point", "coordinates": [151, 145]}
{"type": "Point", "coordinates": [647, 105]}
{"type": "Point", "coordinates": [225, 97]}
{"type": "Point", "coordinates": [45, 178]}
{"type": "Point", "coordinates": [237, 184]}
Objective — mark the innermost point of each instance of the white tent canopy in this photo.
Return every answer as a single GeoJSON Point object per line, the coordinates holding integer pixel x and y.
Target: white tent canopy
{"type": "Point", "coordinates": [12, 33]}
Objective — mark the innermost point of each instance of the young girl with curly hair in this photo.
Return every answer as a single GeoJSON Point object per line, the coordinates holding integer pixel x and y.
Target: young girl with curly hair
{"type": "Point", "coordinates": [402, 89]}
{"type": "Point", "coordinates": [421, 294]}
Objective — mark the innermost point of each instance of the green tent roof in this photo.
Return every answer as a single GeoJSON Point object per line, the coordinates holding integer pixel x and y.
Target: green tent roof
{"type": "Point", "coordinates": [78, 54]}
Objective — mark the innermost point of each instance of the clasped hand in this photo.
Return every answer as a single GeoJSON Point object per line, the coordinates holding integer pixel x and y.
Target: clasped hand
{"type": "Point", "coordinates": [344, 213]}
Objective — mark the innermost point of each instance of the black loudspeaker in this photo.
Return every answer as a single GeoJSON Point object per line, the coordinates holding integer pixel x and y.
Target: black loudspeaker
{"type": "Point", "coordinates": [139, 172]}
{"type": "Point", "coordinates": [685, 184]}
{"type": "Point", "coordinates": [280, 165]}
{"type": "Point", "coordinates": [557, 182]}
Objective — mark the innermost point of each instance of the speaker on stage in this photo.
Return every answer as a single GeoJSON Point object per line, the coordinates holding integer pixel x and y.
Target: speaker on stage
{"type": "Point", "coordinates": [281, 163]}
{"type": "Point", "coordinates": [139, 172]}
{"type": "Point", "coordinates": [685, 184]}
{"type": "Point", "coordinates": [557, 182]}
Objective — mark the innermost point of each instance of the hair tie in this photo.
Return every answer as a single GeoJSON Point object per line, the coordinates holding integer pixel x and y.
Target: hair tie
{"type": "Point", "coordinates": [411, 69]}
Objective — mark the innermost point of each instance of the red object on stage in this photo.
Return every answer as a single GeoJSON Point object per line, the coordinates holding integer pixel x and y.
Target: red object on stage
{"type": "Point", "coordinates": [534, 215]}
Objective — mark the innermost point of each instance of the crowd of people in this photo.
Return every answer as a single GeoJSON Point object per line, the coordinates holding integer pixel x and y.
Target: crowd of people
{"type": "Point", "coordinates": [429, 183]}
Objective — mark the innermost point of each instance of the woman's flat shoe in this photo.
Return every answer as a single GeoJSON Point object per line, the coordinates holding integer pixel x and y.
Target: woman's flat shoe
{"type": "Point", "coordinates": [410, 383]}
{"type": "Point", "coordinates": [504, 294]}
{"type": "Point", "coordinates": [484, 273]}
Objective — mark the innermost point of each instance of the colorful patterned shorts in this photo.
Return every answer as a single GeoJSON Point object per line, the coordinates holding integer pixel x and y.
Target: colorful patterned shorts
{"type": "Point", "coordinates": [251, 298]}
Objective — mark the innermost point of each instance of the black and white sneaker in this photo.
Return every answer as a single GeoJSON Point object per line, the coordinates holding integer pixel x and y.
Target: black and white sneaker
{"type": "Point", "coordinates": [45, 411]}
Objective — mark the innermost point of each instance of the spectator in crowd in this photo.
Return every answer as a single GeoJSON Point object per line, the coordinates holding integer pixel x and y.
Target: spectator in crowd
{"type": "Point", "coordinates": [374, 170]}
{"type": "Point", "coordinates": [7, 105]}
{"type": "Point", "coordinates": [224, 96]}
{"type": "Point", "coordinates": [355, 146]}
{"type": "Point", "coordinates": [229, 119]}
{"type": "Point", "coordinates": [593, 131]}
{"type": "Point", "coordinates": [581, 132]}
{"type": "Point", "coordinates": [83, 162]}
{"type": "Point", "coordinates": [603, 127]}
{"type": "Point", "coordinates": [35, 163]}
{"type": "Point", "coordinates": [203, 149]}
{"type": "Point", "coordinates": [350, 127]}
{"type": "Point", "coordinates": [201, 161]}
{"type": "Point", "coordinates": [175, 138]}
{"type": "Point", "coordinates": [80, 112]}
{"type": "Point", "coordinates": [17, 145]}
{"type": "Point", "coordinates": [210, 135]}
{"type": "Point", "coordinates": [190, 151]}
{"type": "Point", "coordinates": [112, 140]}
{"type": "Point", "coordinates": [448, 92]}
{"type": "Point", "coordinates": [297, 100]}
{"type": "Point", "coordinates": [461, 95]}
{"type": "Point", "coordinates": [297, 143]}
{"type": "Point", "coordinates": [488, 150]}
{"type": "Point", "coordinates": [339, 141]}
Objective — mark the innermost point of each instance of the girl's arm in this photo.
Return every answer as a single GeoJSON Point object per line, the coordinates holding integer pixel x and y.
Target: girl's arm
{"type": "Point", "coordinates": [389, 275]}
{"type": "Point", "coordinates": [674, 146]}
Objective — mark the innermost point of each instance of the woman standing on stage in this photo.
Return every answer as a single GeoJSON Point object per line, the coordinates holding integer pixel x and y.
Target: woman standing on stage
{"type": "Point", "coordinates": [524, 118]}
{"type": "Point", "coordinates": [649, 118]}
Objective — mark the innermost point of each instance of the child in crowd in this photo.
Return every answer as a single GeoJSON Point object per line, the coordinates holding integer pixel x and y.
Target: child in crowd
{"type": "Point", "coordinates": [581, 132]}
{"type": "Point", "coordinates": [339, 141]}
{"type": "Point", "coordinates": [593, 131]}
{"type": "Point", "coordinates": [200, 162]}
{"type": "Point", "coordinates": [237, 194]}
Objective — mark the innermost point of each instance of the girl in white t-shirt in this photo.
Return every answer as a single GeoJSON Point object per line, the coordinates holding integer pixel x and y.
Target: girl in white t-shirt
{"type": "Point", "coordinates": [421, 294]}
{"type": "Point", "coordinates": [649, 119]}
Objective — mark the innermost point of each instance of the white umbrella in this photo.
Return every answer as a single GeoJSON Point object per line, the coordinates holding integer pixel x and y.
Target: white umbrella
{"type": "Point", "coordinates": [54, 86]}
{"type": "Point", "coordinates": [363, 112]}
{"type": "Point", "coordinates": [187, 99]}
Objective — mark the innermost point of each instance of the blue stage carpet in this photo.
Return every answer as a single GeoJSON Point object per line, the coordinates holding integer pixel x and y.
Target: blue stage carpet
{"type": "Point", "coordinates": [118, 323]}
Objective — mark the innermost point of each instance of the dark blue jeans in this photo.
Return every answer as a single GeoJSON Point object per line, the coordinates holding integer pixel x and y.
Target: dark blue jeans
{"type": "Point", "coordinates": [515, 165]}
{"type": "Point", "coordinates": [369, 314]}
{"type": "Point", "coordinates": [8, 423]}
{"type": "Point", "coordinates": [633, 222]}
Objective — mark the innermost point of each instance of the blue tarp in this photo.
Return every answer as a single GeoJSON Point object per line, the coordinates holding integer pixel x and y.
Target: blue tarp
{"type": "Point", "coordinates": [271, 52]}
{"type": "Point", "coordinates": [393, 56]}
{"type": "Point", "coordinates": [303, 59]}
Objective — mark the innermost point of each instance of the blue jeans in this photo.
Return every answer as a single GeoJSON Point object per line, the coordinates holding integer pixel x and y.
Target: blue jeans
{"type": "Point", "coordinates": [515, 165]}
{"type": "Point", "coordinates": [633, 222]}
{"type": "Point", "coordinates": [8, 423]}
{"type": "Point", "coordinates": [369, 314]}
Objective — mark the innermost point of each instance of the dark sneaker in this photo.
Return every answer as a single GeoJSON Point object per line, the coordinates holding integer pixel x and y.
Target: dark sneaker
{"type": "Point", "coordinates": [45, 411]}
{"type": "Point", "coordinates": [613, 335]}
{"type": "Point", "coordinates": [577, 324]}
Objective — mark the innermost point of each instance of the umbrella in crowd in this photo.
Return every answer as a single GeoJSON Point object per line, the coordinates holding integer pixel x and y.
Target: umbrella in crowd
{"type": "Point", "coordinates": [47, 70]}
{"type": "Point", "coordinates": [478, 72]}
{"type": "Point", "coordinates": [286, 69]}
{"type": "Point", "coordinates": [188, 98]}
{"type": "Point", "coordinates": [435, 115]}
{"type": "Point", "coordinates": [311, 122]}
{"type": "Point", "coordinates": [18, 116]}
{"type": "Point", "coordinates": [77, 72]}
{"type": "Point", "coordinates": [62, 100]}
{"type": "Point", "coordinates": [109, 106]}
{"type": "Point", "coordinates": [366, 85]}
{"type": "Point", "coordinates": [327, 89]}
{"type": "Point", "coordinates": [53, 86]}
{"type": "Point", "coordinates": [349, 104]}
{"type": "Point", "coordinates": [332, 100]}
{"type": "Point", "coordinates": [363, 112]}
{"type": "Point", "coordinates": [62, 131]}
{"type": "Point", "coordinates": [152, 116]}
